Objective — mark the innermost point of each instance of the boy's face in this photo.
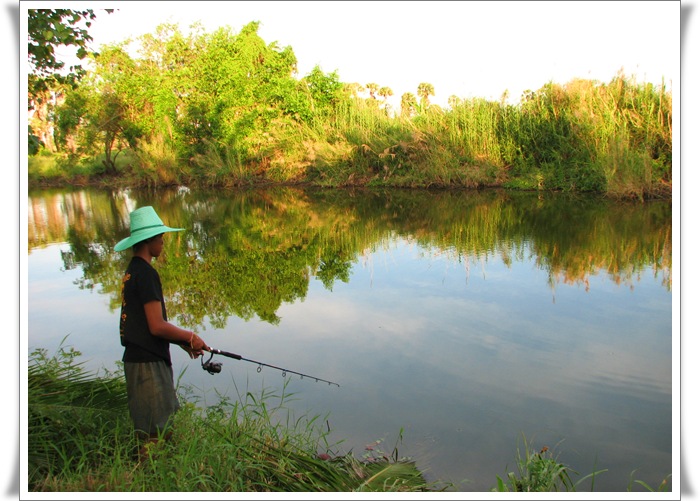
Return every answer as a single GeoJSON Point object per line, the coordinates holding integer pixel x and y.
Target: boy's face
{"type": "Point", "coordinates": [155, 246]}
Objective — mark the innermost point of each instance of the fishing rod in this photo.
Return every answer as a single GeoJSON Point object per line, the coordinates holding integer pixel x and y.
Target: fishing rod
{"type": "Point", "coordinates": [215, 367]}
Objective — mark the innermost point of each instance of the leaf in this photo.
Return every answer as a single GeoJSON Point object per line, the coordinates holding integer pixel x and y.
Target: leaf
{"type": "Point", "coordinates": [390, 476]}
{"type": "Point", "coordinates": [645, 485]}
{"type": "Point", "coordinates": [501, 487]}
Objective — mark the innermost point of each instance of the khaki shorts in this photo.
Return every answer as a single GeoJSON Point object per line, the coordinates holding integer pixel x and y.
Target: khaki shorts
{"type": "Point", "coordinates": [151, 395]}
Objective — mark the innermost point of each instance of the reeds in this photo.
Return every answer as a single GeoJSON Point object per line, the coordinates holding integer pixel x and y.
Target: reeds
{"type": "Point", "coordinates": [159, 163]}
{"type": "Point", "coordinates": [76, 421]}
{"type": "Point", "coordinates": [80, 439]}
{"type": "Point", "coordinates": [541, 472]}
{"type": "Point", "coordinates": [221, 165]}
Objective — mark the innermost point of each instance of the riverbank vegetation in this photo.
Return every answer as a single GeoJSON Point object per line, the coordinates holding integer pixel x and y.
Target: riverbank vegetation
{"type": "Point", "coordinates": [80, 439]}
{"type": "Point", "coordinates": [228, 109]}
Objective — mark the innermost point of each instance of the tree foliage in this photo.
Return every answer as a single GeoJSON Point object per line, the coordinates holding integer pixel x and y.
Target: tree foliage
{"type": "Point", "coordinates": [48, 29]}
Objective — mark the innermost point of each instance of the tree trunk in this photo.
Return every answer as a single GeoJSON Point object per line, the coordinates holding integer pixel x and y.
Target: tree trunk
{"type": "Point", "coordinates": [108, 162]}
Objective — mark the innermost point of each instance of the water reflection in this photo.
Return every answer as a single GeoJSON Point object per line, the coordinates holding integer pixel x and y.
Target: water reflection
{"type": "Point", "coordinates": [248, 252]}
{"type": "Point", "coordinates": [464, 318]}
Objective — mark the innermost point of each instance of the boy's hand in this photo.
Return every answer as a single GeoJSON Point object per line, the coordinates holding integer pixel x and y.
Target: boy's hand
{"type": "Point", "coordinates": [196, 346]}
{"type": "Point", "coordinates": [191, 351]}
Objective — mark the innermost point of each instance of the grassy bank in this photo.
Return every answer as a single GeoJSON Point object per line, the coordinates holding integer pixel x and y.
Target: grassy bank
{"type": "Point", "coordinates": [582, 136]}
{"type": "Point", "coordinates": [80, 440]}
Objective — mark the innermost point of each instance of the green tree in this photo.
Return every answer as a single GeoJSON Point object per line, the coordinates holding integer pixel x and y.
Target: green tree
{"type": "Point", "coordinates": [185, 95]}
{"type": "Point", "coordinates": [69, 119]}
{"type": "Point", "coordinates": [92, 122]}
{"type": "Point", "coordinates": [48, 29]}
{"type": "Point", "coordinates": [103, 113]}
{"type": "Point", "coordinates": [325, 90]}
{"type": "Point", "coordinates": [240, 85]}
{"type": "Point", "coordinates": [113, 127]}
{"type": "Point", "coordinates": [385, 92]}
{"type": "Point", "coordinates": [353, 89]}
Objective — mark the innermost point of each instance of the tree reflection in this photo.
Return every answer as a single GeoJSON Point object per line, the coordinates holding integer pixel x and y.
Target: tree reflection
{"type": "Point", "coordinates": [247, 252]}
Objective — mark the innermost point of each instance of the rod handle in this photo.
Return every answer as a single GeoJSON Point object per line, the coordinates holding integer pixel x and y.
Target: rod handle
{"type": "Point", "coordinates": [225, 353]}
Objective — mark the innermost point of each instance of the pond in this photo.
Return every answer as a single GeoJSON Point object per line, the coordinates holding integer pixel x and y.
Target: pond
{"type": "Point", "coordinates": [456, 323]}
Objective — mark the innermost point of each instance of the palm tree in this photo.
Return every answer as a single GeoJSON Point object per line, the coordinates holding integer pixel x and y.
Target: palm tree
{"type": "Point", "coordinates": [425, 90]}
{"type": "Point", "coordinates": [385, 92]}
{"type": "Point", "coordinates": [453, 101]}
{"type": "Point", "coordinates": [354, 89]}
{"type": "Point", "coordinates": [408, 104]}
{"type": "Point", "coordinates": [372, 88]}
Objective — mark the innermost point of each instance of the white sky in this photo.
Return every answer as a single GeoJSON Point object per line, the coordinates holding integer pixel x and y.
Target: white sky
{"type": "Point", "coordinates": [463, 48]}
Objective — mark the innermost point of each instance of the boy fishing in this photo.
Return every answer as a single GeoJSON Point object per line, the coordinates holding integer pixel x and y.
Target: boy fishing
{"type": "Point", "coordinates": [146, 334]}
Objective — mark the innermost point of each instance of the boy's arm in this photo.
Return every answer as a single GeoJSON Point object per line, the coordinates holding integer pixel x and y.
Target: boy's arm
{"type": "Point", "coordinates": [159, 327]}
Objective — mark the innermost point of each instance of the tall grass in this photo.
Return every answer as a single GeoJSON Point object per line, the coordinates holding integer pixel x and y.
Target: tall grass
{"type": "Point", "coordinates": [81, 439]}
{"type": "Point", "coordinates": [587, 136]}
{"type": "Point", "coordinates": [220, 165]}
{"type": "Point", "coordinates": [159, 162]}
{"type": "Point", "coordinates": [76, 421]}
{"type": "Point", "coordinates": [540, 471]}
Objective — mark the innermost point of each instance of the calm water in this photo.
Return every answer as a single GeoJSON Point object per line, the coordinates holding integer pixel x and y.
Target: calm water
{"type": "Point", "coordinates": [458, 321]}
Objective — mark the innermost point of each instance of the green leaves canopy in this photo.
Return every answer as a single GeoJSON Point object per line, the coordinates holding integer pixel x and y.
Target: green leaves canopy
{"type": "Point", "coordinates": [48, 29]}
{"type": "Point", "coordinates": [202, 89]}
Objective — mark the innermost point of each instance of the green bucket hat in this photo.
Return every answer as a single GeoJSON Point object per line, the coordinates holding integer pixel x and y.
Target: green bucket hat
{"type": "Point", "coordinates": [145, 224]}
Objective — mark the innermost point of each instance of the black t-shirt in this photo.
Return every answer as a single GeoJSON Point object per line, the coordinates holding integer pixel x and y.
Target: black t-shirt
{"type": "Point", "coordinates": [141, 285]}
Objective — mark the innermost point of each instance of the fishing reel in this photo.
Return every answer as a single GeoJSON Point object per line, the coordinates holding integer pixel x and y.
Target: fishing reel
{"type": "Point", "coordinates": [211, 367]}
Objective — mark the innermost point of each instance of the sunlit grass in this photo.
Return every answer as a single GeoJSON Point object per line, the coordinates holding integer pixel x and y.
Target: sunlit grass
{"type": "Point", "coordinates": [541, 471]}
{"type": "Point", "coordinates": [582, 136]}
{"type": "Point", "coordinates": [80, 439]}
{"type": "Point", "coordinates": [43, 166]}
